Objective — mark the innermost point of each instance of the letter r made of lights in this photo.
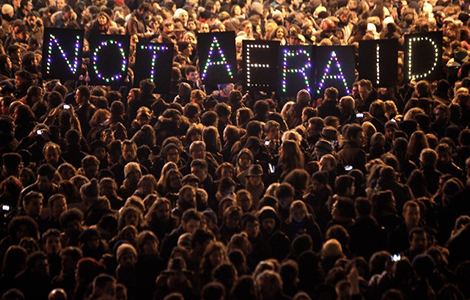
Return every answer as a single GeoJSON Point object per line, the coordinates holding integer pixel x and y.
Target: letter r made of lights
{"type": "Point", "coordinates": [303, 71]}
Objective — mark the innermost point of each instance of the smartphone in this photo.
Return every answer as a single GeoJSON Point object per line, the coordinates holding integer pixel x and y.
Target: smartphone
{"type": "Point", "coordinates": [348, 168]}
{"type": "Point", "coordinates": [6, 207]}
{"type": "Point", "coordinates": [393, 120]}
{"type": "Point", "coordinates": [266, 143]}
{"type": "Point", "coordinates": [359, 115]}
{"type": "Point", "coordinates": [66, 106]}
{"type": "Point", "coordinates": [395, 257]}
{"type": "Point", "coordinates": [39, 132]}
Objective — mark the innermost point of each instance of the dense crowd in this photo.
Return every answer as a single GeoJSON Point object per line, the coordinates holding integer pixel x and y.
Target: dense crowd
{"type": "Point", "coordinates": [208, 192]}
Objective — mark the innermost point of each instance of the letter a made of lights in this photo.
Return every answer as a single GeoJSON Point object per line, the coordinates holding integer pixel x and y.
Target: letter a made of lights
{"type": "Point", "coordinates": [215, 46]}
{"type": "Point", "coordinates": [154, 49]}
{"type": "Point", "coordinates": [303, 71]}
{"type": "Point", "coordinates": [412, 76]}
{"type": "Point", "coordinates": [327, 76]}
{"type": "Point", "coordinates": [103, 44]}
{"type": "Point", "coordinates": [72, 66]}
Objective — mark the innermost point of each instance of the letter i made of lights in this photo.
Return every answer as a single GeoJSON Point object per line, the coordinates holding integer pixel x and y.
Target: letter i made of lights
{"type": "Point", "coordinates": [155, 50]}
{"type": "Point", "coordinates": [116, 77]}
{"type": "Point", "coordinates": [53, 40]}
{"type": "Point", "coordinates": [303, 71]}
{"type": "Point", "coordinates": [326, 75]}
{"type": "Point", "coordinates": [249, 65]}
{"type": "Point", "coordinates": [215, 45]}
{"type": "Point", "coordinates": [377, 63]}
{"type": "Point", "coordinates": [410, 53]}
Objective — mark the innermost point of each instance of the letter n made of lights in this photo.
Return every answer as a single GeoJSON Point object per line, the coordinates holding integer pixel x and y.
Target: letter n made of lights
{"type": "Point", "coordinates": [333, 60]}
{"type": "Point", "coordinates": [73, 66]}
{"type": "Point", "coordinates": [215, 48]}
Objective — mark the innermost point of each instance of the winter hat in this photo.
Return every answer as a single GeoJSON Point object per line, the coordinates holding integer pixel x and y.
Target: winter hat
{"type": "Point", "coordinates": [124, 249]}
{"type": "Point", "coordinates": [91, 189]}
{"type": "Point", "coordinates": [255, 170]}
{"type": "Point", "coordinates": [330, 133]}
{"type": "Point", "coordinates": [324, 145]}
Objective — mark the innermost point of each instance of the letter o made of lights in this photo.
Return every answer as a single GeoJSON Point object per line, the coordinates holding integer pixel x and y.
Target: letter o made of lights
{"type": "Point", "coordinates": [104, 44]}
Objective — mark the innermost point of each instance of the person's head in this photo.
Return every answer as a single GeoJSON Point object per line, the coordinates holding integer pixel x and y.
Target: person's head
{"type": "Point", "coordinates": [365, 88]}
{"type": "Point", "coordinates": [444, 154]}
{"type": "Point", "coordinates": [82, 95]}
{"type": "Point", "coordinates": [160, 210]}
{"type": "Point", "coordinates": [104, 286]}
{"type": "Point", "coordinates": [38, 264]}
{"type": "Point", "coordinates": [418, 240]}
{"type": "Point", "coordinates": [51, 152]}
{"type": "Point", "coordinates": [32, 204]}
{"type": "Point", "coordinates": [191, 73]}
{"type": "Point", "coordinates": [197, 150]}
{"type": "Point", "coordinates": [71, 221]}
{"type": "Point", "coordinates": [428, 158]}
{"type": "Point", "coordinates": [70, 257]}
{"type": "Point", "coordinates": [411, 213]}
{"type": "Point", "coordinates": [126, 255]}
{"type": "Point", "coordinates": [90, 166]}
{"type": "Point", "coordinates": [268, 284]}
{"type": "Point", "coordinates": [250, 225]}
{"type": "Point", "coordinates": [344, 185]}
{"type": "Point", "coordinates": [285, 194]}
{"type": "Point", "coordinates": [298, 211]}
{"type": "Point", "coordinates": [244, 200]}
{"type": "Point", "coordinates": [355, 133]}
{"type": "Point", "coordinates": [128, 150]}
{"type": "Point", "coordinates": [191, 220]}
{"type": "Point", "coordinates": [51, 241]}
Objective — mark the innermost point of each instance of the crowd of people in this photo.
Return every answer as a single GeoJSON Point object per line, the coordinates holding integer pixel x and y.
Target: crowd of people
{"type": "Point", "coordinates": [208, 192]}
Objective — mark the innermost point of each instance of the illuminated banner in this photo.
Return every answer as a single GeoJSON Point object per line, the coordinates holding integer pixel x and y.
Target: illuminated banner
{"type": "Point", "coordinates": [154, 61]}
{"type": "Point", "coordinates": [260, 64]}
{"type": "Point", "coordinates": [62, 53]}
{"type": "Point", "coordinates": [217, 57]}
{"type": "Point", "coordinates": [378, 62]}
{"type": "Point", "coordinates": [334, 68]}
{"type": "Point", "coordinates": [109, 59]}
{"type": "Point", "coordinates": [295, 69]}
{"type": "Point", "coordinates": [423, 56]}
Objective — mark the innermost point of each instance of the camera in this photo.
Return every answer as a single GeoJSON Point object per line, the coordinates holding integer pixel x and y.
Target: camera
{"type": "Point", "coordinates": [66, 106]}
{"type": "Point", "coordinates": [39, 132]}
{"type": "Point", "coordinates": [359, 115]}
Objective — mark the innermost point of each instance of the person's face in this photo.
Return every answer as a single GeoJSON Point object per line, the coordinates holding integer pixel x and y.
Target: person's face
{"type": "Point", "coordinates": [215, 258]}
{"type": "Point", "coordinates": [226, 173]}
{"type": "Point", "coordinates": [192, 76]}
{"type": "Point", "coordinates": [252, 229]}
{"type": "Point", "coordinates": [149, 248]}
{"type": "Point", "coordinates": [60, 4]}
{"type": "Point", "coordinates": [245, 203]}
{"type": "Point", "coordinates": [42, 267]}
{"type": "Point", "coordinates": [312, 130]}
{"type": "Point", "coordinates": [317, 186]}
{"type": "Point", "coordinates": [205, 28]}
{"type": "Point", "coordinates": [73, 227]}
{"type": "Point", "coordinates": [147, 187]}
{"type": "Point", "coordinates": [248, 29]}
{"type": "Point", "coordinates": [175, 181]}
{"type": "Point", "coordinates": [273, 133]}
{"type": "Point", "coordinates": [198, 152]}
{"type": "Point", "coordinates": [173, 155]}
{"type": "Point", "coordinates": [93, 242]}
{"type": "Point", "coordinates": [255, 180]}
{"type": "Point", "coordinates": [4, 108]}
{"type": "Point", "coordinates": [389, 133]}
{"type": "Point", "coordinates": [412, 216]}
{"type": "Point", "coordinates": [66, 173]}
{"type": "Point", "coordinates": [43, 182]}
{"type": "Point", "coordinates": [268, 225]}
{"type": "Point", "coordinates": [101, 20]}
{"type": "Point", "coordinates": [344, 18]}
{"type": "Point", "coordinates": [361, 139]}
{"type": "Point", "coordinates": [232, 221]}
{"type": "Point", "coordinates": [189, 197]}
{"type": "Point", "coordinates": [364, 92]}
{"type": "Point", "coordinates": [16, 3]}
{"type": "Point", "coordinates": [131, 219]}
{"type": "Point", "coordinates": [91, 171]}
{"type": "Point", "coordinates": [191, 225]}
{"type": "Point", "coordinates": [163, 212]}
{"type": "Point", "coordinates": [78, 97]}
{"type": "Point", "coordinates": [244, 161]}
{"type": "Point", "coordinates": [109, 289]}
{"type": "Point", "coordinates": [22, 231]}
{"type": "Point", "coordinates": [107, 189]}
{"type": "Point", "coordinates": [419, 242]}
{"type": "Point", "coordinates": [100, 153]}
{"type": "Point", "coordinates": [129, 152]}
{"type": "Point", "coordinates": [68, 264]}
{"type": "Point", "coordinates": [20, 82]}
{"type": "Point", "coordinates": [59, 206]}
{"type": "Point", "coordinates": [184, 17]}
{"type": "Point", "coordinates": [298, 214]}
{"type": "Point", "coordinates": [191, 26]}
{"type": "Point", "coordinates": [168, 27]}
{"type": "Point", "coordinates": [443, 157]}
{"type": "Point", "coordinates": [52, 245]}
{"type": "Point", "coordinates": [127, 260]}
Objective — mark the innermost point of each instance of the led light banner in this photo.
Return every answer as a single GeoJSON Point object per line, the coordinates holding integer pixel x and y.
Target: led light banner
{"type": "Point", "coordinates": [295, 70]}
{"type": "Point", "coordinates": [154, 61]}
{"type": "Point", "coordinates": [423, 56]}
{"type": "Point", "coordinates": [334, 66]}
{"type": "Point", "coordinates": [378, 62]}
{"type": "Point", "coordinates": [260, 65]}
{"type": "Point", "coordinates": [62, 53]}
{"type": "Point", "coordinates": [217, 57]}
{"type": "Point", "coordinates": [109, 59]}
